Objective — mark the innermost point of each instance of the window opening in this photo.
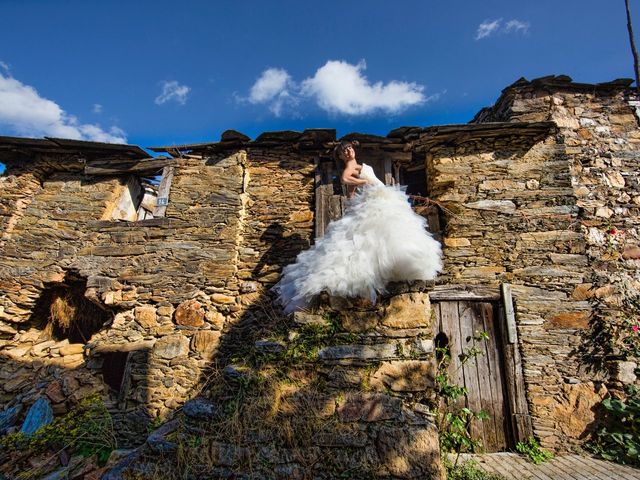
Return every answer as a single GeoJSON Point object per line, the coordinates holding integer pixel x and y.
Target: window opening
{"type": "Point", "coordinates": [3, 168]}
{"type": "Point", "coordinates": [66, 313]}
{"type": "Point", "coordinates": [144, 196]}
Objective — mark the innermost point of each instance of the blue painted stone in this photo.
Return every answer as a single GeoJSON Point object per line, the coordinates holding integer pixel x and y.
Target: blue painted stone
{"type": "Point", "coordinates": [39, 415]}
{"type": "Point", "coordinates": [9, 417]}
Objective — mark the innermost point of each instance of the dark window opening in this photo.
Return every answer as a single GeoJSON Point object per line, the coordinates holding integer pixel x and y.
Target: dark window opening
{"type": "Point", "coordinates": [63, 311]}
{"type": "Point", "coordinates": [144, 196]}
{"type": "Point", "coordinates": [114, 367]}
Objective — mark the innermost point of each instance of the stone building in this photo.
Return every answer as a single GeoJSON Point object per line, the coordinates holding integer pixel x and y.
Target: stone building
{"type": "Point", "coordinates": [132, 276]}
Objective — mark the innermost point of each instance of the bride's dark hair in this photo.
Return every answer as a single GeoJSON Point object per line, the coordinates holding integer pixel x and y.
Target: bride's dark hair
{"type": "Point", "coordinates": [340, 149]}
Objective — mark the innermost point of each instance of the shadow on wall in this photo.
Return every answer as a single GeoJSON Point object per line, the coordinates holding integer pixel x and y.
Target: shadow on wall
{"type": "Point", "coordinates": [55, 359]}
{"type": "Point", "coordinates": [268, 409]}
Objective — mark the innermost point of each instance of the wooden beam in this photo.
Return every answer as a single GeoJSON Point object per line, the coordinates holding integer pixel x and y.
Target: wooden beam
{"type": "Point", "coordinates": [163, 191]}
{"type": "Point", "coordinates": [142, 166]}
{"type": "Point", "coordinates": [509, 313]}
{"type": "Point", "coordinates": [122, 347]}
{"type": "Point", "coordinates": [518, 406]}
{"type": "Point", "coordinates": [454, 293]}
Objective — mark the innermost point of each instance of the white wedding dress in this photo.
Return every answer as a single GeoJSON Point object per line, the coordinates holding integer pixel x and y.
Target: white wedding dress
{"type": "Point", "coordinates": [378, 240]}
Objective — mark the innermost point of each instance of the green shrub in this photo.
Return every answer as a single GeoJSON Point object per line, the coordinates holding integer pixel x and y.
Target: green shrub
{"type": "Point", "coordinates": [619, 441]}
{"type": "Point", "coordinates": [531, 448]}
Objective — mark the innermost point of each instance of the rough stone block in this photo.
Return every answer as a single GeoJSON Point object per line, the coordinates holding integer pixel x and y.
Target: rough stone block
{"type": "Point", "coordinates": [205, 342]}
{"type": "Point", "coordinates": [631, 252]}
{"type": "Point", "coordinates": [190, 313]}
{"type": "Point", "coordinates": [146, 316]}
{"type": "Point", "coordinates": [72, 349]}
{"type": "Point", "coordinates": [409, 310]}
{"type": "Point", "coordinates": [456, 242]}
{"type": "Point", "coordinates": [500, 206]}
{"type": "Point", "coordinates": [359, 352]}
{"type": "Point", "coordinates": [570, 320]}
{"type": "Point", "coordinates": [171, 346]}
{"type": "Point", "coordinates": [357, 321]}
{"type": "Point", "coordinates": [54, 392]}
{"type": "Point", "coordinates": [410, 452]}
{"type": "Point", "coordinates": [405, 376]}
{"type": "Point", "coordinates": [625, 372]}
{"type": "Point", "coordinates": [368, 407]}
{"type": "Point", "coordinates": [222, 299]}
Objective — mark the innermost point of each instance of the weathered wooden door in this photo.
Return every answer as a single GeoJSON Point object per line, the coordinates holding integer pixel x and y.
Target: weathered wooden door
{"type": "Point", "coordinates": [493, 378]}
{"type": "Point", "coordinates": [330, 199]}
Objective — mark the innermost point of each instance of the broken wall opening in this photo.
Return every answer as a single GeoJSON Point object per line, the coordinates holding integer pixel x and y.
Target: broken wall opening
{"type": "Point", "coordinates": [3, 169]}
{"type": "Point", "coordinates": [144, 196]}
{"type": "Point", "coordinates": [64, 312]}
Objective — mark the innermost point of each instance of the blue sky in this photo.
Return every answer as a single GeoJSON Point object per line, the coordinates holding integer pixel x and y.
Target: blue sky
{"type": "Point", "coordinates": [164, 72]}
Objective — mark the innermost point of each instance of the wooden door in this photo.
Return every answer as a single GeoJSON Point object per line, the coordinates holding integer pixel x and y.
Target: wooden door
{"type": "Point", "coordinates": [484, 376]}
{"type": "Point", "coordinates": [330, 198]}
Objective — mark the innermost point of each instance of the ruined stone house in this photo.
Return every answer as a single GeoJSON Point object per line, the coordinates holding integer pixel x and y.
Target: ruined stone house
{"type": "Point", "coordinates": [536, 202]}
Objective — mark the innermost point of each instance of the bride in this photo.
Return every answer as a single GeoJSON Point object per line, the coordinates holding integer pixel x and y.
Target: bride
{"type": "Point", "coordinates": [378, 240]}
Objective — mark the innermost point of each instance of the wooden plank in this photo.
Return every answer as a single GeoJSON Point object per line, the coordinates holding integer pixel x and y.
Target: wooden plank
{"type": "Point", "coordinates": [495, 378]}
{"type": "Point", "coordinates": [510, 316]}
{"type": "Point", "coordinates": [141, 166]}
{"type": "Point", "coordinates": [163, 191]}
{"type": "Point", "coordinates": [474, 402]}
{"type": "Point", "coordinates": [433, 222]}
{"type": "Point", "coordinates": [518, 408]}
{"type": "Point", "coordinates": [388, 172]}
{"type": "Point", "coordinates": [450, 327]}
{"type": "Point", "coordinates": [464, 292]}
{"type": "Point", "coordinates": [568, 471]}
{"type": "Point", "coordinates": [584, 465]}
{"type": "Point", "coordinates": [319, 212]}
{"type": "Point", "coordinates": [488, 403]}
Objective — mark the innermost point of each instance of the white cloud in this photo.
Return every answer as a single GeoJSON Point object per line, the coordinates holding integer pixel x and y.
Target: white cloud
{"type": "Point", "coordinates": [275, 88]}
{"type": "Point", "coordinates": [491, 27]}
{"type": "Point", "coordinates": [173, 91]}
{"type": "Point", "coordinates": [516, 26]}
{"type": "Point", "coordinates": [24, 112]}
{"type": "Point", "coordinates": [4, 66]}
{"type": "Point", "coordinates": [341, 87]}
{"type": "Point", "coordinates": [487, 28]}
{"type": "Point", "coordinates": [97, 108]}
{"type": "Point", "coordinates": [337, 87]}
{"type": "Point", "coordinates": [272, 82]}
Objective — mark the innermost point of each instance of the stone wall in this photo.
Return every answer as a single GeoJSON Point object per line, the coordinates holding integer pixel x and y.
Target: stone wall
{"type": "Point", "coordinates": [546, 200]}
{"type": "Point", "coordinates": [543, 216]}
{"type": "Point", "coordinates": [172, 286]}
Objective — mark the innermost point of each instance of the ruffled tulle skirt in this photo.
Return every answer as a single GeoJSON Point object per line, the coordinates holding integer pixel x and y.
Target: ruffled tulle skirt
{"type": "Point", "coordinates": [378, 240]}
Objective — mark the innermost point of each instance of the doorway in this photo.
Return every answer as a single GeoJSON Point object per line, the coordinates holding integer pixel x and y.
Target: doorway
{"type": "Point", "coordinates": [493, 378]}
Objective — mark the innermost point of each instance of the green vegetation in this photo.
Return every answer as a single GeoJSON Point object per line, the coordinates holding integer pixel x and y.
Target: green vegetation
{"type": "Point", "coordinates": [619, 441]}
{"type": "Point", "coordinates": [454, 422]}
{"type": "Point", "coordinates": [468, 470]}
{"type": "Point", "coordinates": [87, 430]}
{"type": "Point", "coordinates": [533, 451]}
